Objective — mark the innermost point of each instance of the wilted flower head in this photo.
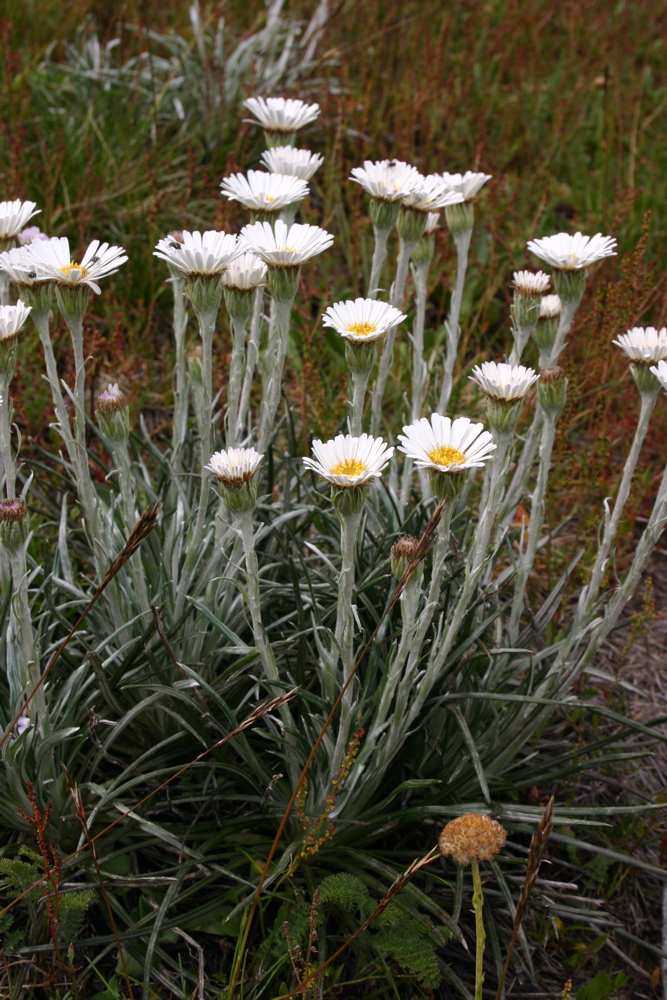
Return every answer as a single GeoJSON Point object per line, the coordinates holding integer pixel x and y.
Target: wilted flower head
{"type": "Point", "coordinates": [280, 114]}
{"type": "Point", "coordinates": [33, 234]}
{"type": "Point", "coordinates": [387, 180]}
{"type": "Point", "coordinates": [279, 245]}
{"type": "Point", "coordinates": [431, 193]}
{"type": "Point", "coordinates": [645, 345]}
{"type": "Point", "coordinates": [468, 184]}
{"type": "Point", "coordinates": [200, 254]}
{"type": "Point", "coordinates": [472, 837]}
{"type": "Point", "coordinates": [292, 162]}
{"type": "Point", "coordinates": [261, 191]}
{"type": "Point", "coordinates": [111, 400]}
{"type": "Point", "coordinates": [550, 306]}
{"type": "Point", "coordinates": [446, 445]}
{"type": "Point", "coordinates": [51, 260]}
{"type": "Point", "coordinates": [572, 253]}
{"type": "Point", "coordinates": [14, 215]}
{"type": "Point", "coordinates": [403, 554]}
{"type": "Point", "coordinates": [362, 320]}
{"type": "Point", "coordinates": [245, 273]}
{"type": "Point", "coordinates": [12, 319]}
{"type": "Point", "coordinates": [530, 282]}
{"type": "Point", "coordinates": [350, 461]}
{"type": "Point", "coordinates": [234, 466]}
{"type": "Point", "coordinates": [503, 381]}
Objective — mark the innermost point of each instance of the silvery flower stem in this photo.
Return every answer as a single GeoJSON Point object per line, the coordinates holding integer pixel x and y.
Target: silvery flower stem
{"type": "Point", "coordinates": [568, 311]}
{"type": "Point", "coordinates": [41, 321]}
{"type": "Point", "coordinates": [589, 594]}
{"type": "Point", "coordinates": [359, 387]}
{"type": "Point", "coordinates": [206, 320]}
{"type": "Point", "coordinates": [419, 370]}
{"type": "Point", "coordinates": [22, 621]}
{"type": "Point", "coordinates": [521, 338]}
{"type": "Point", "coordinates": [121, 457]}
{"type": "Point", "coordinates": [234, 385]}
{"type": "Point", "coordinates": [644, 551]}
{"type": "Point", "coordinates": [262, 644]}
{"type": "Point", "coordinates": [281, 310]}
{"type": "Point", "coordinates": [414, 629]}
{"type": "Point", "coordinates": [379, 258]}
{"type": "Point", "coordinates": [252, 355]}
{"type": "Point", "coordinates": [6, 373]}
{"type": "Point", "coordinates": [462, 243]}
{"type": "Point", "coordinates": [88, 496]}
{"type": "Point", "coordinates": [521, 474]}
{"type": "Point", "coordinates": [397, 293]}
{"type": "Point", "coordinates": [527, 558]}
{"type": "Point", "coordinates": [181, 396]}
{"type": "Point", "coordinates": [4, 288]}
{"type": "Point", "coordinates": [344, 632]}
{"type": "Point", "coordinates": [491, 504]}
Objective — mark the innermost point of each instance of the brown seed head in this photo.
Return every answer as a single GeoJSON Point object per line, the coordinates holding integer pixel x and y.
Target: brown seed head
{"type": "Point", "coordinates": [110, 401]}
{"type": "Point", "coordinates": [406, 548]}
{"type": "Point", "coordinates": [472, 836]}
{"type": "Point", "coordinates": [12, 511]}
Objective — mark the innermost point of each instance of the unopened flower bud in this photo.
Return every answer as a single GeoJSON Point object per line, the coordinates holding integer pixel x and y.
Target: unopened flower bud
{"type": "Point", "coordinates": [113, 413]}
{"type": "Point", "coordinates": [195, 364]}
{"type": "Point", "coordinates": [552, 390]}
{"type": "Point", "coordinates": [403, 554]}
{"type": "Point", "coordinates": [14, 524]}
{"type": "Point", "coordinates": [423, 252]}
{"type": "Point", "coordinates": [460, 218]}
{"type": "Point", "coordinates": [544, 334]}
{"type": "Point", "coordinates": [472, 837]}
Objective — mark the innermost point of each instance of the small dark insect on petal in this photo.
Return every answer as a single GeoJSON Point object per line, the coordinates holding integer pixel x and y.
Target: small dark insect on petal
{"type": "Point", "coordinates": [94, 260]}
{"type": "Point", "coordinates": [32, 274]}
{"type": "Point", "coordinates": [175, 246]}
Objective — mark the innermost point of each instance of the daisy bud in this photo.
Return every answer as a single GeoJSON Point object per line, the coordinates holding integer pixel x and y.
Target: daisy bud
{"type": "Point", "coordinates": [460, 218]}
{"type": "Point", "coordinates": [113, 413]}
{"type": "Point", "coordinates": [411, 224]}
{"type": "Point", "coordinates": [544, 334]}
{"type": "Point", "coordinates": [235, 471]}
{"type": "Point", "coordinates": [14, 524]}
{"type": "Point", "coordinates": [194, 361]}
{"type": "Point", "coordinates": [403, 554]}
{"type": "Point", "coordinates": [552, 390]}
{"type": "Point", "coordinates": [423, 252]}
{"type": "Point", "coordinates": [528, 291]}
{"type": "Point", "coordinates": [472, 837]}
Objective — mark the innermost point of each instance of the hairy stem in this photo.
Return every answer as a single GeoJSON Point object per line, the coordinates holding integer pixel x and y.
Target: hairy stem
{"type": "Point", "coordinates": [452, 329]}
{"type": "Point", "coordinates": [398, 291]}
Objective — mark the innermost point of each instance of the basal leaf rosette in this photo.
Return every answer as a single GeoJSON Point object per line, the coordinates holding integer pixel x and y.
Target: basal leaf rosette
{"type": "Point", "coordinates": [350, 464]}
{"type": "Point", "coordinates": [446, 448]}
{"type": "Point", "coordinates": [235, 470]}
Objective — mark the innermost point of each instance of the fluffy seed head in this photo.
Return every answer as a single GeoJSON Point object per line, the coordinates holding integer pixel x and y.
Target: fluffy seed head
{"type": "Point", "coordinates": [472, 837]}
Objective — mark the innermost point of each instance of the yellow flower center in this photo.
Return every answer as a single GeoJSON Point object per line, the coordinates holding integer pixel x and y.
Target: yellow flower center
{"type": "Point", "coordinates": [74, 267]}
{"type": "Point", "coordinates": [285, 249]}
{"type": "Point", "coordinates": [362, 329]}
{"type": "Point", "coordinates": [269, 197]}
{"type": "Point", "coordinates": [445, 455]}
{"type": "Point", "coordinates": [349, 467]}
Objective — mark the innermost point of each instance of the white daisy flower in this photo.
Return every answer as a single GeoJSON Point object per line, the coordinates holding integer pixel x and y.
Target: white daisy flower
{"type": "Point", "coordinates": [14, 215]}
{"type": "Point", "coordinates": [387, 180]}
{"type": "Point", "coordinates": [235, 465]}
{"type": "Point", "coordinates": [446, 445]}
{"type": "Point", "coordinates": [468, 184]}
{"type": "Point", "coordinates": [16, 265]}
{"type": "Point", "coordinates": [362, 320]}
{"type": "Point", "coordinates": [349, 460]}
{"type": "Point", "coordinates": [12, 319]}
{"type": "Point", "coordinates": [52, 261]}
{"type": "Point", "coordinates": [503, 381]}
{"type": "Point", "coordinates": [530, 282]}
{"type": "Point", "coordinates": [550, 307]}
{"type": "Point", "coordinates": [279, 245]}
{"type": "Point", "coordinates": [432, 223]}
{"type": "Point", "coordinates": [660, 372]}
{"type": "Point", "coordinates": [32, 234]}
{"type": "Point", "coordinates": [292, 162]}
{"type": "Point", "coordinates": [572, 253]}
{"type": "Point", "coordinates": [280, 114]}
{"type": "Point", "coordinates": [431, 193]}
{"type": "Point", "coordinates": [245, 273]}
{"type": "Point", "coordinates": [200, 253]}
{"type": "Point", "coordinates": [644, 344]}
{"type": "Point", "coordinates": [264, 192]}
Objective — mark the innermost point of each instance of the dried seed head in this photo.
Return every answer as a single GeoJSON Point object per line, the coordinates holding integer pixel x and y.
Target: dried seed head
{"type": "Point", "coordinates": [403, 554]}
{"type": "Point", "coordinates": [472, 837]}
{"type": "Point", "coordinates": [12, 511]}
{"type": "Point", "coordinates": [14, 524]}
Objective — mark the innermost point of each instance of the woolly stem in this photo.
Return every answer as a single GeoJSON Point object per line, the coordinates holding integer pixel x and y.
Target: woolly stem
{"type": "Point", "coordinates": [405, 252]}
{"type": "Point", "coordinates": [452, 329]}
